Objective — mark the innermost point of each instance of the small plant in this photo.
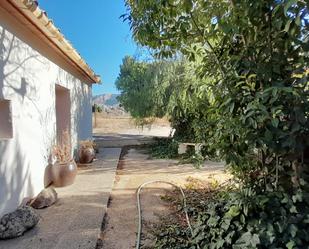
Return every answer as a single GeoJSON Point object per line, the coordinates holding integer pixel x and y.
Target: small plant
{"type": "Point", "coordinates": [97, 108]}
{"type": "Point", "coordinates": [164, 148]}
{"type": "Point", "coordinates": [62, 150]}
{"type": "Point", "coordinates": [193, 158]}
{"type": "Point", "coordinates": [87, 144]}
{"type": "Point", "coordinates": [64, 168]}
{"type": "Point", "coordinates": [87, 151]}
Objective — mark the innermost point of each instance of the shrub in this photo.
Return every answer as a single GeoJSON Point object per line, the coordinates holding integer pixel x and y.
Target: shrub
{"type": "Point", "coordinates": [243, 218]}
{"type": "Point", "coordinates": [164, 148]}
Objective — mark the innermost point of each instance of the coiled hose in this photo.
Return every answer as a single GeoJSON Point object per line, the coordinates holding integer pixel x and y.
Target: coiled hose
{"type": "Point", "coordinates": [139, 230]}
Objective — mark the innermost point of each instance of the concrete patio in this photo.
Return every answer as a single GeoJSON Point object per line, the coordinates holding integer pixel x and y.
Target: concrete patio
{"type": "Point", "coordinates": [75, 220]}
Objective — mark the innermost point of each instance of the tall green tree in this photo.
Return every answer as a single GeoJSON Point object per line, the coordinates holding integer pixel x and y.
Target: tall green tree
{"type": "Point", "coordinates": [144, 92]}
{"type": "Point", "coordinates": [165, 88]}
{"type": "Point", "coordinates": [254, 57]}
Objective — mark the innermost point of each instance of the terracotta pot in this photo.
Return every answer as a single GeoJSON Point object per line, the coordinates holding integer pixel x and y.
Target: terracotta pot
{"type": "Point", "coordinates": [86, 155]}
{"type": "Point", "coordinates": [63, 174]}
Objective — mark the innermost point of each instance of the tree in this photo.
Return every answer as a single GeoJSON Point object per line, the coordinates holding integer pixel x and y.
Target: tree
{"type": "Point", "coordinates": [164, 88]}
{"type": "Point", "coordinates": [250, 66]}
{"type": "Point", "coordinates": [137, 82]}
{"type": "Point", "coordinates": [96, 108]}
{"type": "Point", "coordinates": [253, 59]}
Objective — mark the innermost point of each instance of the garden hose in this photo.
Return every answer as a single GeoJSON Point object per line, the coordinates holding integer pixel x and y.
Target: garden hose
{"type": "Point", "coordinates": [139, 231]}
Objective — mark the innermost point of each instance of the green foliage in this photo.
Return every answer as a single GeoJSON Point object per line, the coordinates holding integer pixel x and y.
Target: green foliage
{"type": "Point", "coordinates": [245, 90]}
{"type": "Point", "coordinates": [242, 88]}
{"type": "Point", "coordinates": [139, 83]}
{"type": "Point", "coordinates": [171, 236]}
{"type": "Point", "coordinates": [164, 148]}
{"type": "Point", "coordinates": [167, 148]}
{"type": "Point", "coordinates": [97, 108]}
{"type": "Point", "coordinates": [227, 218]}
{"type": "Point", "coordinates": [165, 88]}
{"type": "Point", "coordinates": [196, 159]}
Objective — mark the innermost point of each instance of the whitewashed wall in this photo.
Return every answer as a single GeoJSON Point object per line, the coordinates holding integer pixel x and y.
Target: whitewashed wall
{"type": "Point", "coordinates": [28, 79]}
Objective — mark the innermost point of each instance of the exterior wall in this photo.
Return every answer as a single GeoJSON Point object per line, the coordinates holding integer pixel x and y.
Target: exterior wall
{"type": "Point", "coordinates": [28, 79]}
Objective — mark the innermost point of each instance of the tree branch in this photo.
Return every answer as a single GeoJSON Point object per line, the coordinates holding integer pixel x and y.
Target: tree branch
{"type": "Point", "coordinates": [209, 45]}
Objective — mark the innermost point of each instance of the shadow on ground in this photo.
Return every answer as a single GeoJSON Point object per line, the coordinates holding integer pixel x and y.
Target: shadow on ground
{"type": "Point", "coordinates": [75, 220]}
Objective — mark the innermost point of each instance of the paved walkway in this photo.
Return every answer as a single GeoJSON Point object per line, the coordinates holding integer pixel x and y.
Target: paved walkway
{"type": "Point", "coordinates": [75, 220]}
{"type": "Point", "coordinates": [135, 168]}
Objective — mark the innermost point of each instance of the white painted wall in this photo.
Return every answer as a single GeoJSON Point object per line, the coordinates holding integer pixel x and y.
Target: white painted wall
{"type": "Point", "coordinates": [28, 80]}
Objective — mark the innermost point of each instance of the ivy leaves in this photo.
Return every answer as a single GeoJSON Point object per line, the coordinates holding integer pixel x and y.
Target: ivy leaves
{"type": "Point", "coordinates": [246, 219]}
{"type": "Point", "coordinates": [233, 218]}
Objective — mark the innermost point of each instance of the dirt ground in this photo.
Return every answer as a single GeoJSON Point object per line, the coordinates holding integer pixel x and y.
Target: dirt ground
{"type": "Point", "coordinates": [134, 169]}
{"type": "Point", "coordinates": [111, 124]}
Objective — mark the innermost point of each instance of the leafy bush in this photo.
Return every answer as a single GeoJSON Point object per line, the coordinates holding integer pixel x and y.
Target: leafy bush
{"type": "Point", "coordinates": [243, 218]}
{"type": "Point", "coordinates": [243, 90]}
{"type": "Point", "coordinates": [97, 108]}
{"type": "Point", "coordinates": [164, 148]}
{"type": "Point", "coordinates": [246, 219]}
{"type": "Point", "coordinates": [168, 148]}
{"type": "Point", "coordinates": [191, 157]}
{"type": "Point", "coordinates": [241, 85]}
{"type": "Point", "coordinates": [171, 236]}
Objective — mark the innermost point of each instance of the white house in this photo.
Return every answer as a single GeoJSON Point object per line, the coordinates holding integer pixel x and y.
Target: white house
{"type": "Point", "coordinates": [45, 88]}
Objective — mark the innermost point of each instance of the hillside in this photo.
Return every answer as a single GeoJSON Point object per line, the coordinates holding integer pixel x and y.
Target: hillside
{"type": "Point", "coordinates": [109, 104]}
{"type": "Point", "coordinates": [107, 99]}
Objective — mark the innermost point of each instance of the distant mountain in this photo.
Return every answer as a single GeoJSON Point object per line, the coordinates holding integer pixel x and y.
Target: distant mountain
{"type": "Point", "coordinates": [109, 104]}
{"type": "Point", "coordinates": [107, 99]}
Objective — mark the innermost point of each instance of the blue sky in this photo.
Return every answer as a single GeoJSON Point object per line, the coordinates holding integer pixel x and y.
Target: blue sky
{"type": "Point", "coordinates": [96, 31]}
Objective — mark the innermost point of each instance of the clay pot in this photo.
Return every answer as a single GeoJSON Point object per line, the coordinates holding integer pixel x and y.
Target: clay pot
{"type": "Point", "coordinates": [63, 174]}
{"type": "Point", "coordinates": [86, 155]}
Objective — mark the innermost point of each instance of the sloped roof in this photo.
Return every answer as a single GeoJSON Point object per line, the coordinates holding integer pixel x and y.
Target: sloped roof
{"type": "Point", "coordinates": [38, 19]}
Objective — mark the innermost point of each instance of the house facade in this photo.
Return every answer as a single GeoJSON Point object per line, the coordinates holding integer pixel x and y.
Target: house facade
{"type": "Point", "coordinates": [45, 89]}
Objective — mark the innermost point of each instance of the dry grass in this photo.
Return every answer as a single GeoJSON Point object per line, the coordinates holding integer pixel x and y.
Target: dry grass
{"type": "Point", "coordinates": [109, 124]}
{"type": "Point", "coordinates": [84, 144]}
{"type": "Point", "coordinates": [62, 150]}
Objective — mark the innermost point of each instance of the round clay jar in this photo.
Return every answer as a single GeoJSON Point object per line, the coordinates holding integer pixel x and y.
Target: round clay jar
{"type": "Point", "coordinates": [86, 155]}
{"type": "Point", "coordinates": [63, 174]}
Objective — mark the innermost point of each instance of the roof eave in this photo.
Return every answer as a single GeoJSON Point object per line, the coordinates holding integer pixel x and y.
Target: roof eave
{"type": "Point", "coordinates": [30, 10]}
